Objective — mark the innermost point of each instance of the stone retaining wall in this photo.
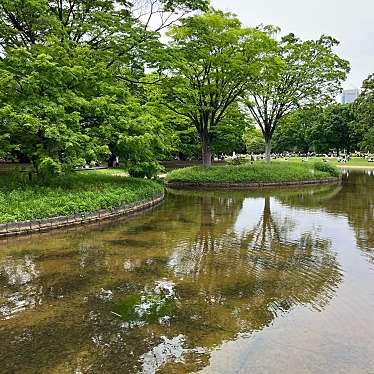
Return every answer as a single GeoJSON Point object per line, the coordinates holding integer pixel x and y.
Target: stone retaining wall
{"type": "Point", "coordinates": [253, 185]}
{"type": "Point", "coordinates": [40, 225]}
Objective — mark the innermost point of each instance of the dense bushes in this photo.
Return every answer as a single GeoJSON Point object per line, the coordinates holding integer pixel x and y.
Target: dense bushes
{"type": "Point", "coordinates": [145, 169]}
{"type": "Point", "coordinates": [238, 160]}
{"type": "Point", "coordinates": [327, 168]}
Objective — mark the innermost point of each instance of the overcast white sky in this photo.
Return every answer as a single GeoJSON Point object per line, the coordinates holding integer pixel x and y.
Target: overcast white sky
{"type": "Point", "coordinates": [349, 21]}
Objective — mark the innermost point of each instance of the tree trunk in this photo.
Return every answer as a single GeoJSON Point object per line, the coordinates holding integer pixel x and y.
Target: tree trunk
{"type": "Point", "coordinates": [268, 151]}
{"type": "Point", "coordinates": [207, 154]}
{"type": "Point", "coordinates": [111, 160]}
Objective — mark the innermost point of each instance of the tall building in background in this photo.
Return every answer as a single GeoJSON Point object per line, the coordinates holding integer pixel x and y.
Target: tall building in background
{"type": "Point", "coordinates": [349, 96]}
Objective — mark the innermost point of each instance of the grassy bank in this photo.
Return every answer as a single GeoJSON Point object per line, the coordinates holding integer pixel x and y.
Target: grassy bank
{"type": "Point", "coordinates": [258, 172]}
{"type": "Point", "coordinates": [22, 200]}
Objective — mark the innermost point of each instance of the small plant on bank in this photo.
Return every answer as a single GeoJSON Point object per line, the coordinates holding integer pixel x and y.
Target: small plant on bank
{"type": "Point", "coordinates": [327, 168]}
{"type": "Point", "coordinates": [145, 169]}
{"type": "Point", "coordinates": [238, 160]}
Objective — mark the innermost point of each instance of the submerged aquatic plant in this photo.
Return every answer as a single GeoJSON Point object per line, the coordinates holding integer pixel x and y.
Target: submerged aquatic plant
{"type": "Point", "coordinates": [153, 305]}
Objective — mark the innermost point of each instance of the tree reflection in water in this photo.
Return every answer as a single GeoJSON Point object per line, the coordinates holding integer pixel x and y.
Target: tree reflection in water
{"type": "Point", "coordinates": [159, 292]}
{"type": "Point", "coordinates": [355, 201]}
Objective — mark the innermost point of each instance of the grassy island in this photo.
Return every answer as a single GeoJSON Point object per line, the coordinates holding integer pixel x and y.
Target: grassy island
{"type": "Point", "coordinates": [22, 200]}
{"type": "Point", "coordinates": [258, 172]}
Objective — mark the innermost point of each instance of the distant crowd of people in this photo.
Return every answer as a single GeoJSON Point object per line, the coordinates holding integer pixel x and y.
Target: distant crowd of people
{"type": "Point", "coordinates": [305, 156]}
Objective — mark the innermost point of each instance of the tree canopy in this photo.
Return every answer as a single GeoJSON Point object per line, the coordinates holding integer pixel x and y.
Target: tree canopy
{"type": "Point", "coordinates": [364, 115]}
{"type": "Point", "coordinates": [68, 78]}
{"type": "Point", "coordinates": [318, 129]}
{"type": "Point", "coordinates": [86, 81]}
{"type": "Point", "coordinates": [302, 73]}
{"type": "Point", "coordinates": [212, 59]}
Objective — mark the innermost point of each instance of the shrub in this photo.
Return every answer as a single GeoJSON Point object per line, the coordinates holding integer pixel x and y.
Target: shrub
{"type": "Point", "coordinates": [238, 160]}
{"type": "Point", "coordinates": [145, 169]}
{"type": "Point", "coordinates": [327, 168]}
{"type": "Point", "coordinates": [48, 167]}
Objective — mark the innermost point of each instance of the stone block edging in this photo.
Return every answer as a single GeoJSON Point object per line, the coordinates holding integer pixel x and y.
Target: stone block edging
{"type": "Point", "coordinates": [256, 185]}
{"type": "Point", "coordinates": [45, 224]}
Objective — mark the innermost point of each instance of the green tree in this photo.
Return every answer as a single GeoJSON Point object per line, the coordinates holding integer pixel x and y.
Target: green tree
{"type": "Point", "coordinates": [254, 140]}
{"type": "Point", "coordinates": [302, 73]}
{"type": "Point", "coordinates": [294, 130]}
{"type": "Point", "coordinates": [227, 136]}
{"type": "Point", "coordinates": [48, 97]}
{"type": "Point", "coordinates": [317, 129]}
{"type": "Point", "coordinates": [69, 74]}
{"type": "Point", "coordinates": [212, 59]}
{"type": "Point", "coordinates": [364, 115]}
{"type": "Point", "coordinates": [337, 127]}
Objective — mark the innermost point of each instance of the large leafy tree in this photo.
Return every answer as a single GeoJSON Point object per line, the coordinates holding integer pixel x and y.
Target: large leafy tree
{"type": "Point", "coordinates": [338, 128]}
{"type": "Point", "coordinates": [158, 15]}
{"type": "Point", "coordinates": [303, 73]}
{"type": "Point", "coordinates": [293, 130]}
{"type": "Point", "coordinates": [302, 130]}
{"type": "Point", "coordinates": [317, 129]}
{"type": "Point", "coordinates": [364, 115]}
{"type": "Point", "coordinates": [212, 60]}
{"type": "Point", "coordinates": [109, 24]}
{"type": "Point", "coordinates": [69, 74]}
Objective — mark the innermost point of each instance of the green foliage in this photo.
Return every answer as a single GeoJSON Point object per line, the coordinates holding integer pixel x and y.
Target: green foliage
{"type": "Point", "coordinates": [68, 78]}
{"type": "Point", "coordinates": [326, 168]}
{"type": "Point", "coordinates": [238, 160]}
{"type": "Point", "coordinates": [74, 88]}
{"type": "Point", "coordinates": [227, 135]}
{"type": "Point", "coordinates": [298, 131]}
{"type": "Point", "coordinates": [212, 59]}
{"type": "Point", "coordinates": [257, 172]}
{"type": "Point", "coordinates": [21, 199]}
{"type": "Point", "coordinates": [337, 127]}
{"type": "Point", "coordinates": [187, 146]}
{"type": "Point", "coordinates": [254, 140]}
{"type": "Point", "coordinates": [48, 167]}
{"type": "Point", "coordinates": [297, 74]}
{"type": "Point", "coordinates": [317, 129]}
{"type": "Point", "coordinates": [145, 169]}
{"type": "Point", "coordinates": [364, 116]}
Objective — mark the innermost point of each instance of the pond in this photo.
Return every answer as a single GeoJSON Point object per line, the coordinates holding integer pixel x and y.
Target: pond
{"type": "Point", "coordinates": [207, 282]}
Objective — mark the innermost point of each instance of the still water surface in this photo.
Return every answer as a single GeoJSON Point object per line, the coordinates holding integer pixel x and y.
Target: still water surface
{"type": "Point", "coordinates": [208, 282]}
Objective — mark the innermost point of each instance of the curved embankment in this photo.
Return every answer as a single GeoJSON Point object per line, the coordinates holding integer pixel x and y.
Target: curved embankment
{"type": "Point", "coordinates": [45, 224]}
{"type": "Point", "coordinates": [209, 185]}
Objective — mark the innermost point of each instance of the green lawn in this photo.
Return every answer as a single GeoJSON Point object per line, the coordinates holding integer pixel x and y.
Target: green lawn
{"type": "Point", "coordinates": [356, 161]}
{"type": "Point", "coordinates": [258, 172]}
{"type": "Point", "coordinates": [22, 200]}
{"type": "Point", "coordinates": [110, 171]}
